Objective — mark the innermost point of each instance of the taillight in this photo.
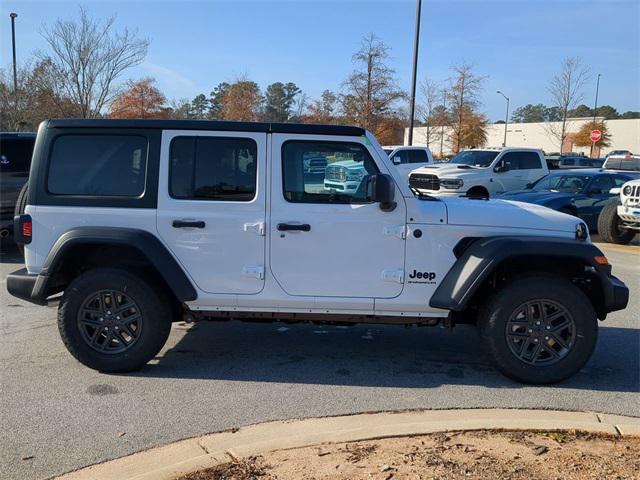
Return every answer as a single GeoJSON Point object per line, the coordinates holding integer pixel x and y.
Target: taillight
{"type": "Point", "coordinates": [22, 229]}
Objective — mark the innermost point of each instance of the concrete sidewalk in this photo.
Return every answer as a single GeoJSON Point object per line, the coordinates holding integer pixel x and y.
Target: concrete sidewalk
{"type": "Point", "coordinates": [170, 461]}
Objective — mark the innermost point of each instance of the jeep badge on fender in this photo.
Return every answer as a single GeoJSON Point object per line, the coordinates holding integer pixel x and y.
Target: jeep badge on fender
{"type": "Point", "coordinates": [134, 224]}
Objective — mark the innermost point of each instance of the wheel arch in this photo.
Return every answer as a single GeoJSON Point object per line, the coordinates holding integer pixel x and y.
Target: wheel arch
{"type": "Point", "coordinates": [484, 263]}
{"type": "Point", "coordinates": [84, 248]}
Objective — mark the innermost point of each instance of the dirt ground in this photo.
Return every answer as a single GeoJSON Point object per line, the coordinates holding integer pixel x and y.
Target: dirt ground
{"type": "Point", "coordinates": [469, 455]}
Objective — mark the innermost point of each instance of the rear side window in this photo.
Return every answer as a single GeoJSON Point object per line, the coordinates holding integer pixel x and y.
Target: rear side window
{"type": "Point", "coordinates": [418, 156]}
{"type": "Point", "coordinates": [213, 168]}
{"type": "Point", "coordinates": [98, 165]}
{"type": "Point", "coordinates": [529, 161]}
{"type": "Point", "coordinates": [15, 154]}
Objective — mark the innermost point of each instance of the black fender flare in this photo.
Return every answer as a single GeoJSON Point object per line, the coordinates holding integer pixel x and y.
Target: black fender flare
{"type": "Point", "coordinates": [482, 256]}
{"type": "Point", "coordinates": [145, 242]}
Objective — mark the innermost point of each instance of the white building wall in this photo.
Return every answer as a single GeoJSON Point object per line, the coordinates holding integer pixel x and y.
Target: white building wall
{"type": "Point", "coordinates": [625, 135]}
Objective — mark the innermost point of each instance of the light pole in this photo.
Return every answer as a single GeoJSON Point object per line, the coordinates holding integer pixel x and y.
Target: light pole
{"type": "Point", "coordinates": [444, 108]}
{"type": "Point", "coordinates": [13, 43]}
{"type": "Point", "coordinates": [416, 42]}
{"type": "Point", "coordinates": [506, 118]}
{"type": "Point", "coordinates": [595, 112]}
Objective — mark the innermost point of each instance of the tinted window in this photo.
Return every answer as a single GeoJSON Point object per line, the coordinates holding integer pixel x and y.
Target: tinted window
{"type": "Point", "coordinates": [511, 160]}
{"type": "Point", "coordinates": [15, 154]}
{"type": "Point", "coordinates": [402, 156]}
{"type": "Point", "coordinates": [347, 166]}
{"type": "Point", "coordinates": [602, 184]}
{"type": "Point", "coordinates": [562, 183]}
{"type": "Point", "coordinates": [100, 165]}
{"type": "Point", "coordinates": [529, 161]}
{"type": "Point", "coordinates": [211, 168]}
{"type": "Point", "coordinates": [418, 156]}
{"type": "Point", "coordinates": [632, 164]}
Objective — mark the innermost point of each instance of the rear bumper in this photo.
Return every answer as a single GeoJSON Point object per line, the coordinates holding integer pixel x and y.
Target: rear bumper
{"type": "Point", "coordinates": [26, 286]}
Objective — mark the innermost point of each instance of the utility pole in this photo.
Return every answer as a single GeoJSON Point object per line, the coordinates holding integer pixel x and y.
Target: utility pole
{"type": "Point", "coordinates": [13, 43]}
{"type": "Point", "coordinates": [416, 43]}
{"type": "Point", "coordinates": [595, 112]}
{"type": "Point", "coordinates": [506, 119]}
{"type": "Point", "coordinates": [444, 107]}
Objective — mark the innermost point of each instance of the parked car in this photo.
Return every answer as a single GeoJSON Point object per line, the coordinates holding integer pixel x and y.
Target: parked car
{"type": "Point", "coordinates": [618, 153]}
{"type": "Point", "coordinates": [620, 219]}
{"type": "Point", "coordinates": [408, 158]}
{"type": "Point", "coordinates": [582, 193]}
{"type": "Point", "coordinates": [221, 224]}
{"type": "Point", "coordinates": [579, 161]}
{"type": "Point", "coordinates": [630, 163]}
{"type": "Point", "coordinates": [15, 159]}
{"type": "Point", "coordinates": [481, 172]}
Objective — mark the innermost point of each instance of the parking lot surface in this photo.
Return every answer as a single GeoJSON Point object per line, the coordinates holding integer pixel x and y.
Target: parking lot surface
{"type": "Point", "coordinates": [57, 415]}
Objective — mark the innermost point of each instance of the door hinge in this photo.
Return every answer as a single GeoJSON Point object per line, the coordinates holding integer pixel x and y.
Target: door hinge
{"type": "Point", "coordinates": [400, 232]}
{"type": "Point", "coordinates": [396, 276]}
{"type": "Point", "coordinates": [257, 227]}
{"type": "Point", "coordinates": [254, 272]}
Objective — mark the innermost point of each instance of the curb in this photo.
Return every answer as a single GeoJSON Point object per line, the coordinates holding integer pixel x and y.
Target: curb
{"type": "Point", "coordinates": [170, 461]}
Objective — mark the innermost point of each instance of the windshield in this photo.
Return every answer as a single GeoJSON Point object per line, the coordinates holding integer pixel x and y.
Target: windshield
{"type": "Point", "coordinates": [561, 183]}
{"type": "Point", "coordinates": [477, 158]}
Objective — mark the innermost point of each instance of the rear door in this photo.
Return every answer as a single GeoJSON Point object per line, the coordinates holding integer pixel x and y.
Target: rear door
{"type": "Point", "coordinates": [332, 242]}
{"type": "Point", "coordinates": [211, 207]}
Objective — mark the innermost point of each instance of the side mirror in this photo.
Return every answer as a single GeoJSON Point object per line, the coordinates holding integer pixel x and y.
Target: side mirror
{"type": "Point", "coordinates": [396, 160]}
{"type": "Point", "coordinates": [382, 189]}
{"type": "Point", "coordinates": [615, 191]}
{"type": "Point", "coordinates": [501, 167]}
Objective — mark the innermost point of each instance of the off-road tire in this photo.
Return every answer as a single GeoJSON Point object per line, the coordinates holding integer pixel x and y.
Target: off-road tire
{"type": "Point", "coordinates": [608, 225]}
{"type": "Point", "coordinates": [498, 309]}
{"type": "Point", "coordinates": [154, 308]}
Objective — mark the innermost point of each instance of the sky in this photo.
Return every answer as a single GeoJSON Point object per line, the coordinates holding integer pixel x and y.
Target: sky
{"type": "Point", "coordinates": [517, 44]}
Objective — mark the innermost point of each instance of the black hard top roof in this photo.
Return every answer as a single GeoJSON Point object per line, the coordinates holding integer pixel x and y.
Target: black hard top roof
{"type": "Point", "coordinates": [208, 125]}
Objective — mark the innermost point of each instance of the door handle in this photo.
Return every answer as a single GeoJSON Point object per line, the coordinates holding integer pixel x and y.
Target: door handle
{"type": "Point", "coordinates": [289, 227]}
{"type": "Point", "coordinates": [188, 224]}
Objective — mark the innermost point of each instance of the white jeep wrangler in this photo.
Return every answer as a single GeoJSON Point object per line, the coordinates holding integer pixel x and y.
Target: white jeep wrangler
{"type": "Point", "coordinates": [133, 224]}
{"type": "Point", "coordinates": [481, 172]}
{"type": "Point", "coordinates": [619, 220]}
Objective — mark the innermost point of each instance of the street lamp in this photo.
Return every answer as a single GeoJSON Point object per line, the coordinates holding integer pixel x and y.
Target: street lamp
{"type": "Point", "coordinates": [13, 43]}
{"type": "Point", "coordinates": [506, 118]}
{"type": "Point", "coordinates": [415, 69]}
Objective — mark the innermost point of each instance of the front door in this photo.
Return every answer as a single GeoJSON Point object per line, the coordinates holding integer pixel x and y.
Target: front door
{"type": "Point", "coordinates": [212, 205]}
{"type": "Point", "coordinates": [327, 238]}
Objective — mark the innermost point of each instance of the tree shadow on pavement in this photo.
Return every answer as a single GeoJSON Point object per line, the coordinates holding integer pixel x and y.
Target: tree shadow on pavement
{"type": "Point", "coordinates": [371, 356]}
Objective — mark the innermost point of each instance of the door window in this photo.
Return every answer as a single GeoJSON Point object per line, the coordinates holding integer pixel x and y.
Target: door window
{"type": "Point", "coordinates": [15, 154]}
{"type": "Point", "coordinates": [213, 168]}
{"type": "Point", "coordinates": [601, 184]}
{"type": "Point", "coordinates": [522, 160]}
{"type": "Point", "coordinates": [418, 156]}
{"type": "Point", "coordinates": [347, 165]}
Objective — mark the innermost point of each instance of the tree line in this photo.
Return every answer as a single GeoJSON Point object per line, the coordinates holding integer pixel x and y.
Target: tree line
{"type": "Point", "coordinates": [80, 74]}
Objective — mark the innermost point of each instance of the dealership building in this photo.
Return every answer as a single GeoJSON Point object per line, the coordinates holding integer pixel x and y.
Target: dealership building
{"type": "Point", "coordinates": [625, 135]}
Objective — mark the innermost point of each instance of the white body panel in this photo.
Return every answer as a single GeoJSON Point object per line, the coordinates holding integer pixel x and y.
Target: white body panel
{"type": "Point", "coordinates": [404, 167]}
{"type": "Point", "coordinates": [629, 211]}
{"type": "Point", "coordinates": [228, 254]}
{"type": "Point", "coordinates": [356, 259]}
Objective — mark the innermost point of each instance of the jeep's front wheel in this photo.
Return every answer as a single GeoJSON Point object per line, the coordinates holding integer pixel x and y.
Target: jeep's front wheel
{"type": "Point", "coordinates": [112, 320]}
{"type": "Point", "coordinates": [539, 329]}
{"type": "Point", "coordinates": [610, 226]}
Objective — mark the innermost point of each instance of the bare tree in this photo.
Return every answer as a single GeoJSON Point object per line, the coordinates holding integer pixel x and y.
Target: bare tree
{"type": "Point", "coordinates": [566, 89]}
{"type": "Point", "coordinates": [431, 93]}
{"type": "Point", "coordinates": [464, 92]}
{"type": "Point", "coordinates": [371, 90]}
{"type": "Point", "coordinates": [87, 57]}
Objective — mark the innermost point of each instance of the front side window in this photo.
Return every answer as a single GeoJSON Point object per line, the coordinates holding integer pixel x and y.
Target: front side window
{"type": "Point", "coordinates": [213, 168]}
{"type": "Point", "coordinates": [98, 165]}
{"type": "Point", "coordinates": [347, 165]}
{"type": "Point", "coordinates": [418, 156]}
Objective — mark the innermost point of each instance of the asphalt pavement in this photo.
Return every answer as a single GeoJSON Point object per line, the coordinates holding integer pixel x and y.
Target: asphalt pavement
{"type": "Point", "coordinates": [57, 415]}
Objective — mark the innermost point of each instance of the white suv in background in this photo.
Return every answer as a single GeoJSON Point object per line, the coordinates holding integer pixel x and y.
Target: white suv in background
{"type": "Point", "coordinates": [407, 158]}
{"type": "Point", "coordinates": [481, 172]}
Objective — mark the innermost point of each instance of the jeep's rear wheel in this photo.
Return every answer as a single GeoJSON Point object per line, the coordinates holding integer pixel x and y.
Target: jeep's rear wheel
{"type": "Point", "coordinates": [112, 320]}
{"type": "Point", "coordinates": [539, 329]}
{"type": "Point", "coordinates": [610, 226]}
